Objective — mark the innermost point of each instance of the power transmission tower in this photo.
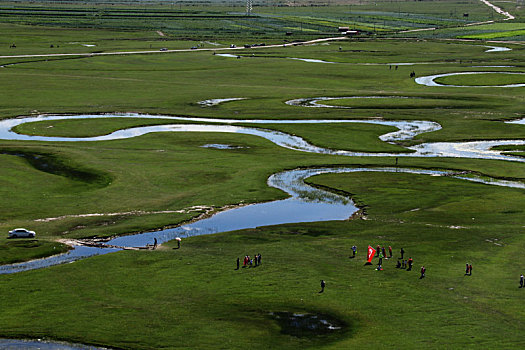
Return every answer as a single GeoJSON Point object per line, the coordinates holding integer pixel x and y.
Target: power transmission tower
{"type": "Point", "coordinates": [248, 7]}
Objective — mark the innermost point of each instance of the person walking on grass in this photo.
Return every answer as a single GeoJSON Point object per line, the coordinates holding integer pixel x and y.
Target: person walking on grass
{"type": "Point", "coordinates": [238, 263]}
{"type": "Point", "coordinates": [354, 250]}
{"type": "Point", "coordinates": [323, 284]}
{"type": "Point", "coordinates": [467, 269]}
{"type": "Point", "coordinates": [410, 263]}
{"type": "Point", "coordinates": [470, 269]}
{"type": "Point", "coordinates": [402, 253]}
{"type": "Point", "coordinates": [423, 270]}
{"type": "Point", "coordinates": [522, 281]}
{"type": "Point", "coordinates": [380, 259]}
{"type": "Point", "coordinates": [389, 251]}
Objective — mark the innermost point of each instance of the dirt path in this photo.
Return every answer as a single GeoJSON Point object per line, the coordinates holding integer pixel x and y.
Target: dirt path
{"type": "Point", "coordinates": [92, 54]}
{"type": "Point", "coordinates": [499, 10]}
{"type": "Point", "coordinates": [198, 208]}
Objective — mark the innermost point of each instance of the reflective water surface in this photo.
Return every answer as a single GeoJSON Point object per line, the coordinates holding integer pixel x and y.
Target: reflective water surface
{"type": "Point", "coordinates": [38, 344]}
{"type": "Point", "coordinates": [429, 80]}
{"type": "Point", "coordinates": [407, 130]}
{"type": "Point", "coordinates": [305, 204]}
{"type": "Point", "coordinates": [497, 49]}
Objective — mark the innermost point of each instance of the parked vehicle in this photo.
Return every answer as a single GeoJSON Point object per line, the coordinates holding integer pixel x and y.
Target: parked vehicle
{"type": "Point", "coordinates": [21, 233]}
{"type": "Point", "coordinates": [164, 49]}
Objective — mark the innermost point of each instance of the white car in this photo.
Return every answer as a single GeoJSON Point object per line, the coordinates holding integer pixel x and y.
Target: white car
{"type": "Point", "coordinates": [21, 232]}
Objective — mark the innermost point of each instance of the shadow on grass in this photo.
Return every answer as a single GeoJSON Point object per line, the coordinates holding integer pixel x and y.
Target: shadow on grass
{"type": "Point", "coordinates": [53, 165]}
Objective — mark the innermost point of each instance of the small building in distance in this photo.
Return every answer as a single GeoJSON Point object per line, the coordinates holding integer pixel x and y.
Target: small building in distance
{"type": "Point", "coordinates": [347, 31]}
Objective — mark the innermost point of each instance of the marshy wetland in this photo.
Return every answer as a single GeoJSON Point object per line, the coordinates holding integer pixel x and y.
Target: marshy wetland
{"type": "Point", "coordinates": [294, 159]}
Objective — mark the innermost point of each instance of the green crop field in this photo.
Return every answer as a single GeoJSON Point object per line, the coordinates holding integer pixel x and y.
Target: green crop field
{"type": "Point", "coordinates": [194, 297]}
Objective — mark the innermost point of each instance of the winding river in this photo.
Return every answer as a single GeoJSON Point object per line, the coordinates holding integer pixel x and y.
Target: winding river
{"type": "Point", "coordinates": [305, 204]}
{"type": "Point", "coordinates": [406, 131]}
{"type": "Point", "coordinates": [430, 79]}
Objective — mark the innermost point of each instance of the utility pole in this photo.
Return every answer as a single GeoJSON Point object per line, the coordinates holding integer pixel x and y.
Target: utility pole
{"type": "Point", "coordinates": [249, 7]}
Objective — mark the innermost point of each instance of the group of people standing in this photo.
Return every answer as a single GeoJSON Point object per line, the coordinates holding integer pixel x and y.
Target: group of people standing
{"type": "Point", "coordinates": [248, 261]}
{"type": "Point", "coordinates": [402, 263]}
{"type": "Point", "coordinates": [381, 252]}
{"type": "Point", "coordinates": [405, 264]}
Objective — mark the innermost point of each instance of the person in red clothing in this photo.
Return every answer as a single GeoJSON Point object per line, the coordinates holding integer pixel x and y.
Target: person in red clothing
{"type": "Point", "coordinates": [389, 251]}
{"type": "Point", "coordinates": [410, 263]}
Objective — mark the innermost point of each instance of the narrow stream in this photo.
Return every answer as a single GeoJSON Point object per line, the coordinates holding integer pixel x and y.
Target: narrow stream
{"type": "Point", "coordinates": [407, 130]}
{"type": "Point", "coordinates": [39, 344]}
{"type": "Point", "coordinates": [315, 101]}
{"type": "Point", "coordinates": [429, 80]}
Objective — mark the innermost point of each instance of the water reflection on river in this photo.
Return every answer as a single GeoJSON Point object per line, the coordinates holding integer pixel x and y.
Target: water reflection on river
{"type": "Point", "coordinates": [305, 204]}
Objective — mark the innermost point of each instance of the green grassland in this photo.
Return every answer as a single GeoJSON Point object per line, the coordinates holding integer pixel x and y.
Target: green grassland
{"type": "Point", "coordinates": [193, 297]}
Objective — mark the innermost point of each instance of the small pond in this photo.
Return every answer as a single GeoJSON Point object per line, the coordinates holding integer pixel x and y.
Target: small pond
{"type": "Point", "coordinates": [39, 344]}
{"type": "Point", "coordinates": [307, 324]}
